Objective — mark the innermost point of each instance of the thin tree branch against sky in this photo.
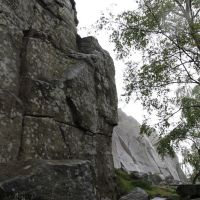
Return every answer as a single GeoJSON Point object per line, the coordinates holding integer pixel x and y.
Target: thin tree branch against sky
{"type": "Point", "coordinates": [89, 11]}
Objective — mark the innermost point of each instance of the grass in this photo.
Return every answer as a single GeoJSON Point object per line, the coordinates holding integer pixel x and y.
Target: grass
{"type": "Point", "coordinates": [163, 191]}
{"type": "Point", "coordinates": [125, 184]}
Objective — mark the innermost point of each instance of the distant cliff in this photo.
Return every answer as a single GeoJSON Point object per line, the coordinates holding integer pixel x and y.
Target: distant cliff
{"type": "Point", "coordinates": [58, 101]}
{"type": "Point", "coordinates": [135, 153]}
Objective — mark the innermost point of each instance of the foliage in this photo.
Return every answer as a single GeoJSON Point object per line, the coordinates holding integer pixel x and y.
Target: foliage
{"type": "Point", "coordinates": [192, 157]}
{"type": "Point", "coordinates": [167, 35]}
{"type": "Point", "coordinates": [188, 129]}
{"type": "Point", "coordinates": [126, 183]}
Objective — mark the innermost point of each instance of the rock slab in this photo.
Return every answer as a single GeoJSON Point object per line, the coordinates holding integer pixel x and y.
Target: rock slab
{"type": "Point", "coordinates": [136, 194]}
{"type": "Point", "coordinates": [137, 154]}
{"type": "Point", "coordinates": [45, 180]}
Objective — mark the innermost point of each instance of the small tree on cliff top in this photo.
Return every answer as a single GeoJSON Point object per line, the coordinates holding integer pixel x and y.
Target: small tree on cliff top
{"type": "Point", "coordinates": [167, 33]}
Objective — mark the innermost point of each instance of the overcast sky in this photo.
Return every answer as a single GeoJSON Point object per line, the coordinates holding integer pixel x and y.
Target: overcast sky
{"type": "Point", "coordinates": [89, 12]}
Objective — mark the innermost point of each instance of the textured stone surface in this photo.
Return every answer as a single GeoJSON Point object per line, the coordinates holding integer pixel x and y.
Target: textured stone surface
{"type": "Point", "coordinates": [10, 125]}
{"type": "Point", "coordinates": [57, 91]}
{"type": "Point", "coordinates": [137, 154]}
{"type": "Point", "coordinates": [136, 194]}
{"type": "Point", "coordinates": [45, 180]}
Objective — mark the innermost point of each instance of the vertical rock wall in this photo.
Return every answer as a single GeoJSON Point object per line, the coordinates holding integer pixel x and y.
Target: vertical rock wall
{"type": "Point", "coordinates": [57, 91]}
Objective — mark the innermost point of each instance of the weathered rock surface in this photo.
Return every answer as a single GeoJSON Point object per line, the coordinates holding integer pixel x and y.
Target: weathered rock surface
{"type": "Point", "coordinates": [136, 194]}
{"type": "Point", "coordinates": [137, 154]}
{"type": "Point", "coordinates": [45, 180]}
{"type": "Point", "coordinates": [57, 91]}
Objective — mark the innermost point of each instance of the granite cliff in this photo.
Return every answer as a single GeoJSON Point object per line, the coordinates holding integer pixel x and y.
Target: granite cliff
{"type": "Point", "coordinates": [58, 103]}
{"type": "Point", "coordinates": [135, 153]}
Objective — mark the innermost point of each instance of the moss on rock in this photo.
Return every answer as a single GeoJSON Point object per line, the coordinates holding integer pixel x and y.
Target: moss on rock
{"type": "Point", "coordinates": [126, 183]}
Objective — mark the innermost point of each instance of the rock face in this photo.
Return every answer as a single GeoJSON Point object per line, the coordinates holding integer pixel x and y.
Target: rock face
{"type": "Point", "coordinates": [136, 194]}
{"type": "Point", "coordinates": [33, 180]}
{"type": "Point", "coordinates": [57, 95]}
{"type": "Point", "coordinates": [138, 154]}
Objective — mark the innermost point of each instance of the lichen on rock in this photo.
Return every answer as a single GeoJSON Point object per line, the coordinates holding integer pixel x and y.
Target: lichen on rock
{"type": "Point", "coordinates": [57, 95]}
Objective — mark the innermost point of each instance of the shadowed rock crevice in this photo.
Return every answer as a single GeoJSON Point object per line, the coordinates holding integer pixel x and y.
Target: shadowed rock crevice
{"type": "Point", "coordinates": [23, 70]}
{"type": "Point", "coordinates": [21, 151]}
{"type": "Point", "coordinates": [86, 131]}
{"type": "Point", "coordinates": [65, 141]}
{"type": "Point", "coordinates": [50, 7]}
{"type": "Point", "coordinates": [47, 6]}
{"type": "Point", "coordinates": [74, 112]}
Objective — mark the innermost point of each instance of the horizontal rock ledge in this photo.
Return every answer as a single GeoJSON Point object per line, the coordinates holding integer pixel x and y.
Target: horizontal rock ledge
{"type": "Point", "coordinates": [47, 179]}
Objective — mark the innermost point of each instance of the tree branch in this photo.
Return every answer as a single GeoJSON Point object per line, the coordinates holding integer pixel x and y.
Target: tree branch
{"type": "Point", "coordinates": [175, 43]}
{"type": "Point", "coordinates": [188, 73]}
{"type": "Point", "coordinates": [196, 14]}
{"type": "Point", "coordinates": [196, 177]}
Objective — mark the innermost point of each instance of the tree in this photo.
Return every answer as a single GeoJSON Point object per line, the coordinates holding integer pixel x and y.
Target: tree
{"type": "Point", "coordinates": [188, 129]}
{"type": "Point", "coordinates": [167, 34]}
{"type": "Point", "coordinates": [192, 157]}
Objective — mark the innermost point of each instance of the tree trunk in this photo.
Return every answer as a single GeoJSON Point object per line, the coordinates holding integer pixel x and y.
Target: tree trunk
{"type": "Point", "coordinates": [196, 177]}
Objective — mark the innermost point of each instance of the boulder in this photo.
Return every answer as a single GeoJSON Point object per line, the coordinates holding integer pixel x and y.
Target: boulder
{"type": "Point", "coordinates": [152, 178]}
{"type": "Point", "coordinates": [45, 180]}
{"type": "Point", "coordinates": [136, 194]}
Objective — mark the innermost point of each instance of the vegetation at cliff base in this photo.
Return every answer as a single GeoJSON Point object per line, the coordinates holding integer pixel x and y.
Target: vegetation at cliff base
{"type": "Point", "coordinates": [166, 33]}
{"type": "Point", "coordinates": [126, 183]}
